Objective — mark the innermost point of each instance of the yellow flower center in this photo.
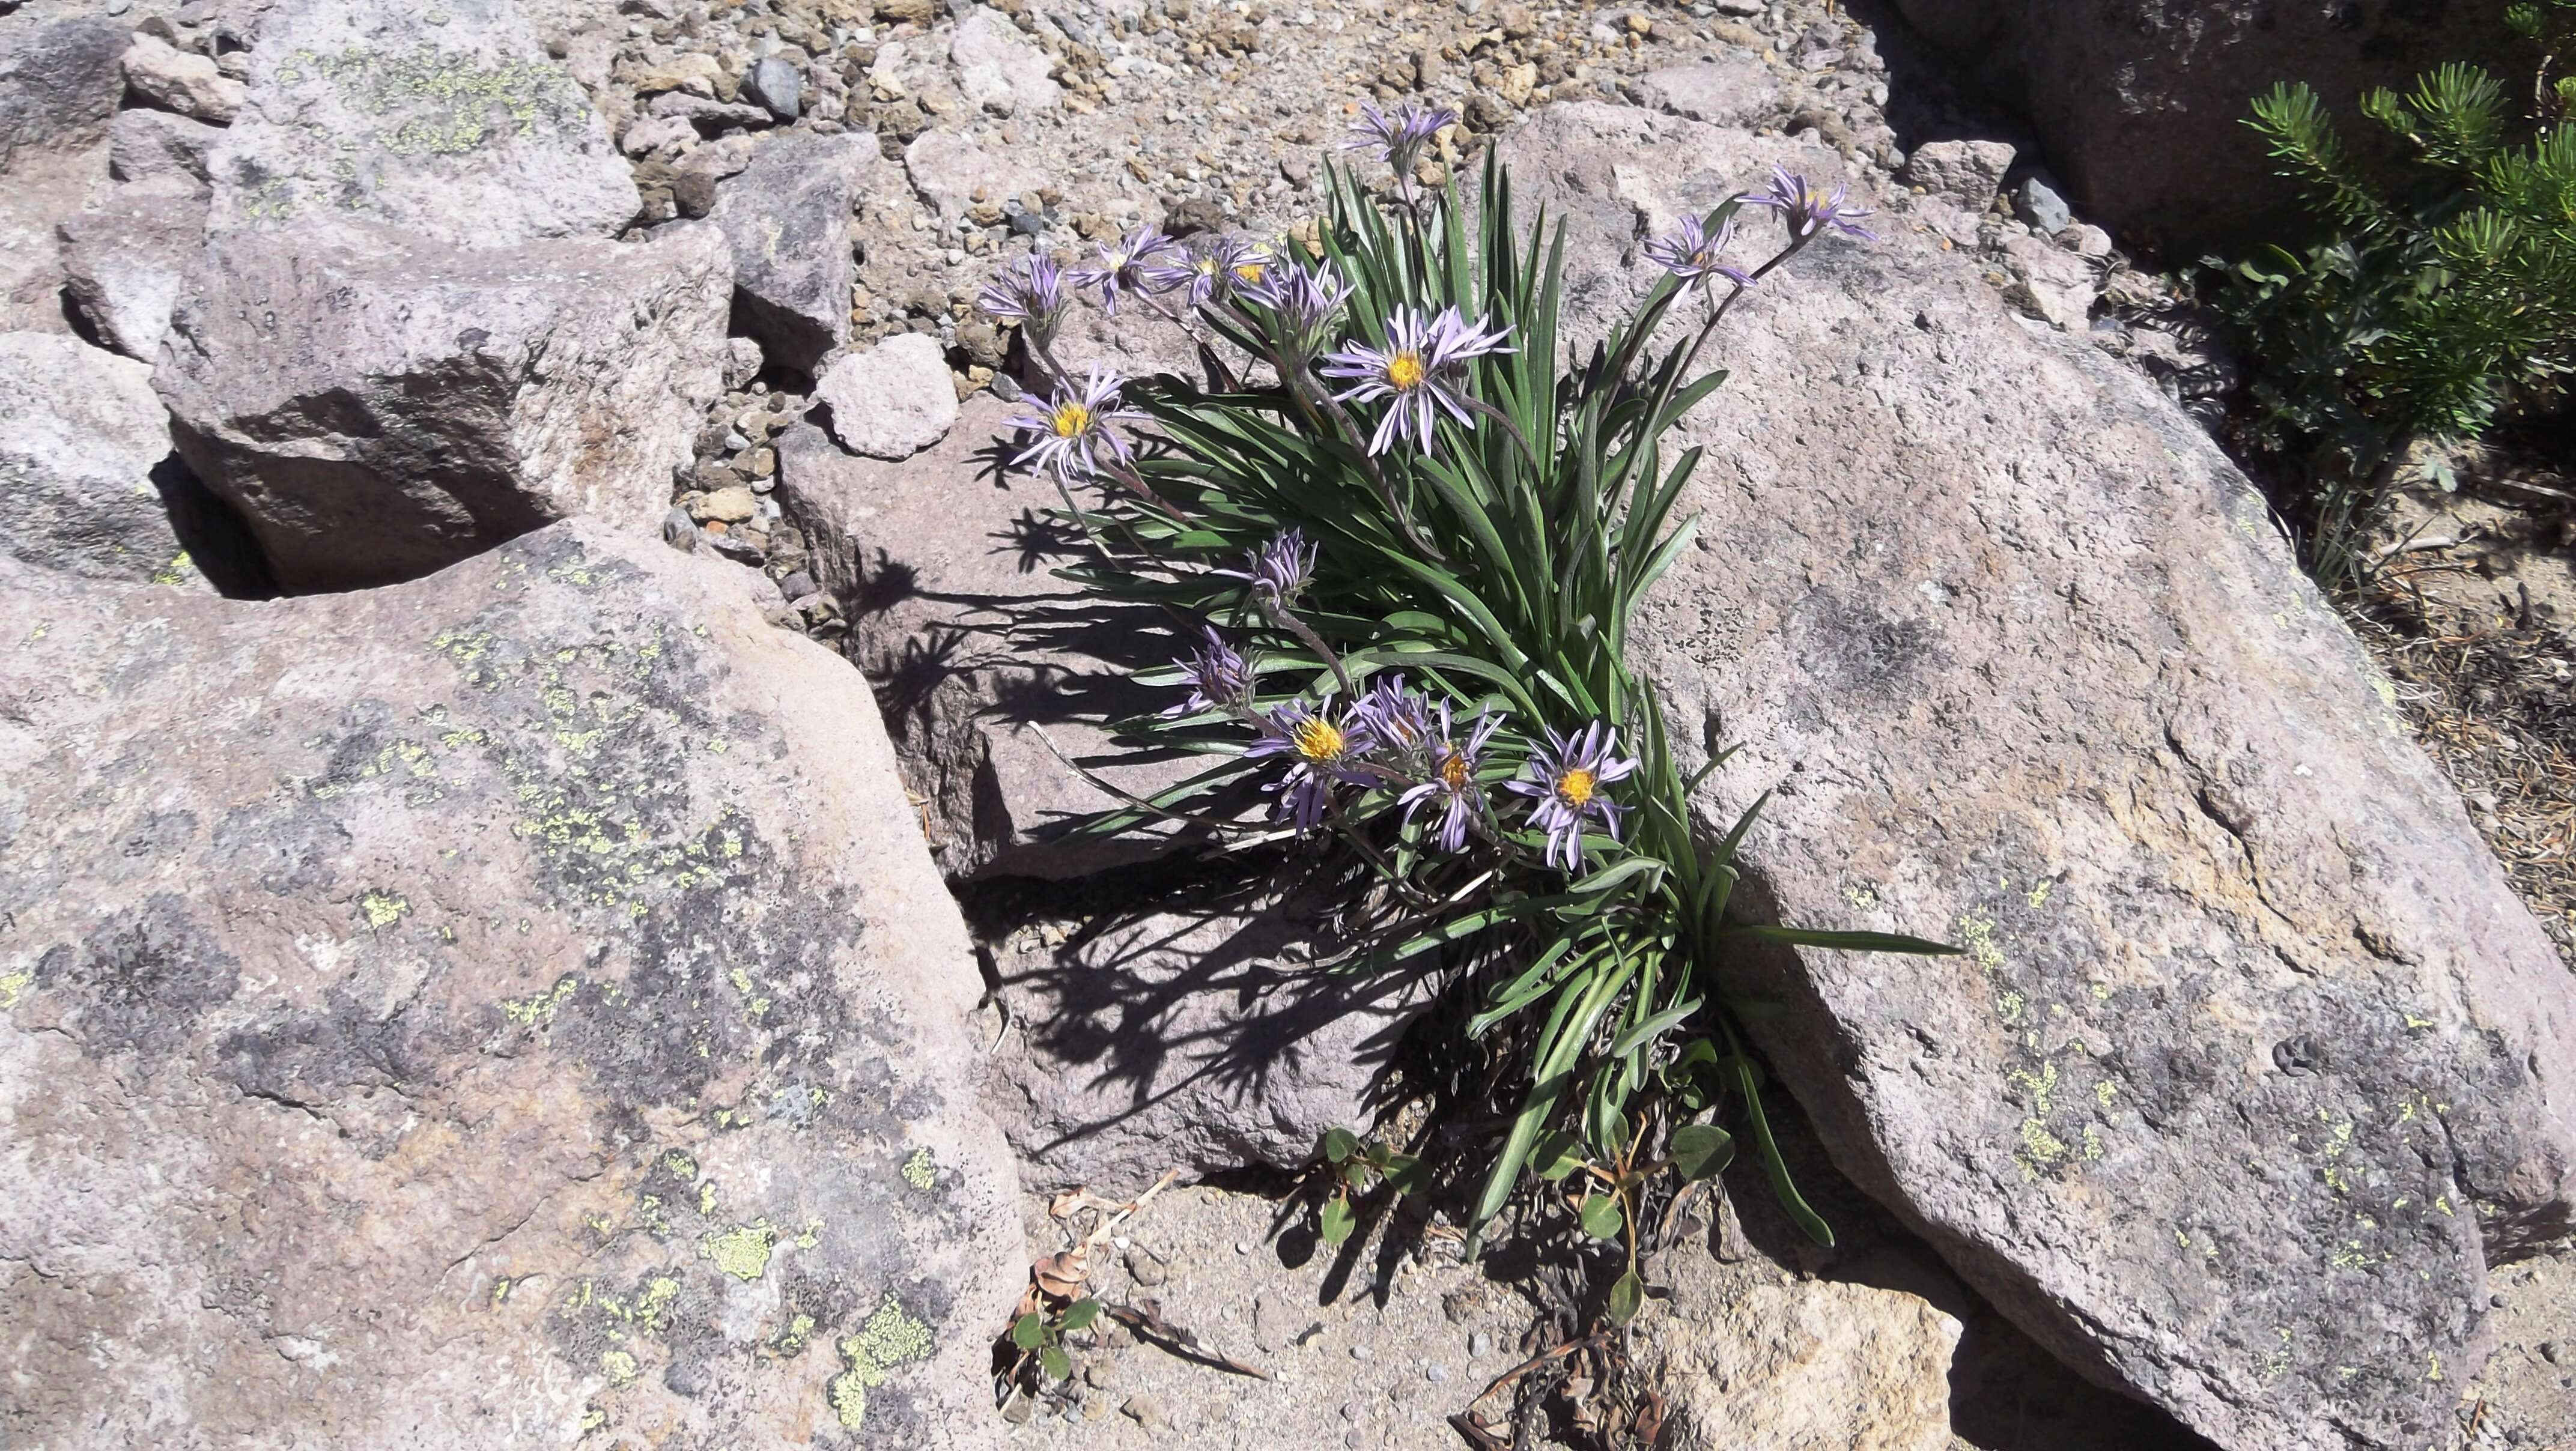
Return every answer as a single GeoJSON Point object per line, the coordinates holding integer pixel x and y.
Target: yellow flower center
{"type": "Point", "coordinates": [1453, 770]}
{"type": "Point", "coordinates": [1404, 371]}
{"type": "Point", "coordinates": [1575, 787]}
{"type": "Point", "coordinates": [1205, 266]}
{"type": "Point", "coordinates": [1248, 271]}
{"type": "Point", "coordinates": [1316, 739]}
{"type": "Point", "coordinates": [1069, 419]}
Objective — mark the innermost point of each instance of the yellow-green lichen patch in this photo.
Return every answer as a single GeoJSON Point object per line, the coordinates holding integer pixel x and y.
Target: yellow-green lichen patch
{"type": "Point", "coordinates": [538, 1010]}
{"type": "Point", "coordinates": [791, 1341]}
{"type": "Point", "coordinates": [921, 1171]}
{"type": "Point", "coordinates": [619, 1367]}
{"type": "Point", "coordinates": [14, 987]}
{"type": "Point", "coordinates": [890, 1338]}
{"type": "Point", "coordinates": [382, 909]}
{"type": "Point", "coordinates": [658, 1294]}
{"type": "Point", "coordinates": [1977, 934]}
{"type": "Point", "coordinates": [176, 571]}
{"type": "Point", "coordinates": [437, 103]}
{"type": "Point", "coordinates": [742, 1251]}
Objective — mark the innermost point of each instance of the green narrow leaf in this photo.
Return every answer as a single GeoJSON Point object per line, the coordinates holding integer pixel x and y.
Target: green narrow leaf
{"type": "Point", "coordinates": [1846, 941]}
{"type": "Point", "coordinates": [1559, 1153]}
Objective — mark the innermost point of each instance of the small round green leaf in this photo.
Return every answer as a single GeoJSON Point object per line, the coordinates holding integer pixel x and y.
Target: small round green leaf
{"type": "Point", "coordinates": [1027, 1331]}
{"type": "Point", "coordinates": [1701, 1150]}
{"type": "Point", "coordinates": [1602, 1216]}
{"type": "Point", "coordinates": [1056, 1363]}
{"type": "Point", "coordinates": [1080, 1314]}
{"type": "Point", "coordinates": [1557, 1155]}
{"type": "Point", "coordinates": [1340, 1144]}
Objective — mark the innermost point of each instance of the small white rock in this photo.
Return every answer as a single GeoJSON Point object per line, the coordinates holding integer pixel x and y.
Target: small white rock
{"type": "Point", "coordinates": [892, 401]}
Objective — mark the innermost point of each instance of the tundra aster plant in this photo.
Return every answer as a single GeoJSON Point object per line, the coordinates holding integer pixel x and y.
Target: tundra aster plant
{"type": "Point", "coordinates": [1400, 546]}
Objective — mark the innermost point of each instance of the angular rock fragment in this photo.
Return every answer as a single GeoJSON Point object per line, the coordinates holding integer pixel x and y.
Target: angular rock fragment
{"type": "Point", "coordinates": [999, 70]}
{"type": "Point", "coordinates": [787, 216]}
{"type": "Point", "coordinates": [1966, 174]}
{"type": "Point", "coordinates": [59, 82]}
{"type": "Point", "coordinates": [378, 408]}
{"type": "Point", "coordinates": [181, 81]}
{"type": "Point", "coordinates": [160, 148]}
{"type": "Point", "coordinates": [124, 262]}
{"type": "Point", "coordinates": [444, 120]}
{"type": "Point", "coordinates": [952, 172]}
{"type": "Point", "coordinates": [81, 436]}
{"type": "Point", "coordinates": [893, 400]}
{"type": "Point", "coordinates": [2253, 1060]}
{"type": "Point", "coordinates": [1800, 1364]}
{"type": "Point", "coordinates": [458, 965]}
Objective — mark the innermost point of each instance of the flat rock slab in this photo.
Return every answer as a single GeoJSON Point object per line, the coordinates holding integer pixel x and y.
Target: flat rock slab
{"type": "Point", "coordinates": [981, 657]}
{"type": "Point", "coordinates": [1202, 1040]}
{"type": "Point", "coordinates": [2252, 1038]}
{"type": "Point", "coordinates": [59, 80]}
{"type": "Point", "coordinates": [81, 439]}
{"type": "Point", "coordinates": [378, 409]}
{"type": "Point", "coordinates": [893, 400]}
{"type": "Point", "coordinates": [520, 1010]}
{"type": "Point", "coordinates": [446, 120]}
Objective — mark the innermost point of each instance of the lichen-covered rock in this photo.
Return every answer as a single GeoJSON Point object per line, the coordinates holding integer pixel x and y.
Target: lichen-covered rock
{"type": "Point", "coordinates": [1203, 1038]}
{"type": "Point", "coordinates": [2252, 1038]}
{"type": "Point", "coordinates": [496, 1011]}
{"type": "Point", "coordinates": [945, 572]}
{"type": "Point", "coordinates": [377, 409]}
{"type": "Point", "coordinates": [124, 261]}
{"type": "Point", "coordinates": [81, 437]}
{"type": "Point", "coordinates": [787, 217]}
{"type": "Point", "coordinates": [446, 120]}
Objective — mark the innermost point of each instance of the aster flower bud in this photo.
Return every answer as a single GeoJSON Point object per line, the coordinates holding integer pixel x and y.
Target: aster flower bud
{"type": "Point", "coordinates": [1806, 210]}
{"type": "Point", "coordinates": [1691, 254]}
{"type": "Point", "coordinates": [1030, 293]}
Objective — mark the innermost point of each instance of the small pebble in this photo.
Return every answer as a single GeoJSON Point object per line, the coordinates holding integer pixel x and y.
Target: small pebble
{"type": "Point", "coordinates": [1359, 1352]}
{"type": "Point", "coordinates": [1353, 1411]}
{"type": "Point", "coordinates": [1243, 1246]}
{"type": "Point", "coordinates": [1435, 1373]}
{"type": "Point", "coordinates": [1145, 1411]}
{"type": "Point", "coordinates": [1479, 1345]}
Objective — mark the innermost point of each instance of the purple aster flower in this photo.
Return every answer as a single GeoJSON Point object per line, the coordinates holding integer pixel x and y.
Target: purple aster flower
{"type": "Point", "coordinates": [1806, 209]}
{"type": "Point", "coordinates": [1418, 369]}
{"type": "Point", "coordinates": [1691, 254]}
{"type": "Point", "coordinates": [1452, 783]}
{"type": "Point", "coordinates": [1305, 303]}
{"type": "Point", "coordinates": [1568, 776]}
{"type": "Point", "coordinates": [1213, 270]}
{"type": "Point", "coordinates": [1122, 266]}
{"type": "Point", "coordinates": [1398, 717]}
{"type": "Point", "coordinates": [1398, 138]}
{"type": "Point", "coordinates": [1073, 426]}
{"type": "Point", "coordinates": [1030, 293]}
{"type": "Point", "coordinates": [1280, 570]}
{"type": "Point", "coordinates": [1219, 677]}
{"type": "Point", "coordinates": [1322, 750]}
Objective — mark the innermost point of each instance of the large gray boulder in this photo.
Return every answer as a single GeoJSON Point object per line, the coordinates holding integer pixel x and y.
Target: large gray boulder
{"type": "Point", "coordinates": [2141, 106]}
{"type": "Point", "coordinates": [82, 439]}
{"type": "Point", "coordinates": [445, 120]}
{"type": "Point", "coordinates": [377, 408]}
{"type": "Point", "coordinates": [787, 217]}
{"type": "Point", "coordinates": [943, 566]}
{"type": "Point", "coordinates": [1201, 1038]}
{"type": "Point", "coordinates": [480, 1013]}
{"type": "Point", "coordinates": [2254, 1060]}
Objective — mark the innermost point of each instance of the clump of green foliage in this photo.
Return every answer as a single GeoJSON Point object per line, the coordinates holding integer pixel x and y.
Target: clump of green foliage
{"type": "Point", "coordinates": [2445, 300]}
{"type": "Point", "coordinates": [1398, 542]}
